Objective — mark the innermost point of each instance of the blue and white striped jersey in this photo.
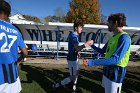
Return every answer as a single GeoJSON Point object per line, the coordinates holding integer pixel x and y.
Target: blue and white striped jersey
{"type": "Point", "coordinates": [111, 71]}
{"type": "Point", "coordinates": [10, 40]}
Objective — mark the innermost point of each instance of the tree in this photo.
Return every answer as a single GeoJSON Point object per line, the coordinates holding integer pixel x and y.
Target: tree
{"type": "Point", "coordinates": [60, 14]}
{"type": "Point", "coordinates": [54, 19]}
{"type": "Point", "coordinates": [42, 20]}
{"type": "Point", "coordinates": [103, 20]}
{"type": "Point", "coordinates": [32, 18]}
{"type": "Point", "coordinates": [87, 10]}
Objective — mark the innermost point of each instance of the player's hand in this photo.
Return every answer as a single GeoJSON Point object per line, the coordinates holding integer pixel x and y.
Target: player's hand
{"type": "Point", "coordinates": [19, 62]}
{"type": "Point", "coordinates": [79, 55]}
{"type": "Point", "coordinates": [89, 43]}
{"type": "Point", "coordinates": [85, 62]}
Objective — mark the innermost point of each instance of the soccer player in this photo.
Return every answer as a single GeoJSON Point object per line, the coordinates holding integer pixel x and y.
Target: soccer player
{"type": "Point", "coordinates": [72, 58]}
{"type": "Point", "coordinates": [117, 51]}
{"type": "Point", "coordinates": [10, 40]}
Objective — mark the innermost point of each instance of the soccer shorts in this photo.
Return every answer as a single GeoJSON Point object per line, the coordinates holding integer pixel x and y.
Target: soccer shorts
{"type": "Point", "coordinates": [11, 88]}
{"type": "Point", "coordinates": [73, 67]}
{"type": "Point", "coordinates": [110, 86]}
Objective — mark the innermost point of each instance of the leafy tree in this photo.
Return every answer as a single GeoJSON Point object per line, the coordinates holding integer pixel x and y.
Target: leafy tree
{"type": "Point", "coordinates": [87, 10]}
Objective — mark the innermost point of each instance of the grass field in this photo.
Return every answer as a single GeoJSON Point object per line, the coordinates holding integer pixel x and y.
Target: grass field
{"type": "Point", "coordinates": [38, 78]}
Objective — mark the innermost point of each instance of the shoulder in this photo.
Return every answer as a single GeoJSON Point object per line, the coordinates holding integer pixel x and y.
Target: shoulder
{"type": "Point", "coordinates": [125, 38]}
{"type": "Point", "coordinates": [9, 28]}
{"type": "Point", "coordinates": [72, 35]}
{"type": "Point", "coordinates": [2, 22]}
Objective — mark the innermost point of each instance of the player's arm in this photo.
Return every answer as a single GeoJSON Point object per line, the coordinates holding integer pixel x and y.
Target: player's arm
{"type": "Point", "coordinates": [100, 50]}
{"type": "Point", "coordinates": [123, 45]}
{"type": "Point", "coordinates": [88, 43]}
{"type": "Point", "coordinates": [78, 48]}
{"type": "Point", "coordinates": [24, 53]}
{"type": "Point", "coordinates": [22, 47]}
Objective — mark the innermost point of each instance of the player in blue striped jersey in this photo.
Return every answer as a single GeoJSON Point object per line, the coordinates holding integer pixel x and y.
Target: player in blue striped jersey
{"type": "Point", "coordinates": [117, 52]}
{"type": "Point", "coordinates": [10, 40]}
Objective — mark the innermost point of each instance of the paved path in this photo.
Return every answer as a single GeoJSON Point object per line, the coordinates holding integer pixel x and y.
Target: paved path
{"type": "Point", "coordinates": [64, 61]}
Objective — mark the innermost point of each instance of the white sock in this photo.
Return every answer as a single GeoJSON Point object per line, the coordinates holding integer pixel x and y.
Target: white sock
{"type": "Point", "coordinates": [75, 82]}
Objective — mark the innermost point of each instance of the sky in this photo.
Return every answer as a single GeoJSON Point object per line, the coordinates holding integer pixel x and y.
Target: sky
{"type": "Point", "coordinates": [43, 8]}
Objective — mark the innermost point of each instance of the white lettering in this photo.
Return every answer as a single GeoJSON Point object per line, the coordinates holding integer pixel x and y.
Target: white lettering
{"type": "Point", "coordinates": [7, 29]}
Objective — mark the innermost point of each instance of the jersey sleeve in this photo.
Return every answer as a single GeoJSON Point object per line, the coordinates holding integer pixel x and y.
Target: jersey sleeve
{"type": "Point", "coordinates": [21, 43]}
{"type": "Point", "coordinates": [102, 51]}
{"type": "Point", "coordinates": [123, 46]}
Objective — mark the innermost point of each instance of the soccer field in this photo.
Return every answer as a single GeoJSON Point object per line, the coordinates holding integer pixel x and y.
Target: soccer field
{"type": "Point", "coordinates": [38, 78]}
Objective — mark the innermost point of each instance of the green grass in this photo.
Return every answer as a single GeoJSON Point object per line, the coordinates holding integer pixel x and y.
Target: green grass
{"type": "Point", "coordinates": [38, 79]}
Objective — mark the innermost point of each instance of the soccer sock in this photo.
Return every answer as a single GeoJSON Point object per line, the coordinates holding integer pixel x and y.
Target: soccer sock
{"type": "Point", "coordinates": [75, 82]}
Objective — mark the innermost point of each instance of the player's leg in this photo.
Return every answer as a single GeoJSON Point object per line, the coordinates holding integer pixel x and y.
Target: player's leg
{"type": "Point", "coordinates": [111, 87]}
{"type": "Point", "coordinates": [106, 84]}
{"type": "Point", "coordinates": [63, 82]}
{"type": "Point", "coordinates": [66, 80]}
{"type": "Point", "coordinates": [116, 87]}
{"type": "Point", "coordinates": [75, 74]}
{"type": "Point", "coordinates": [76, 71]}
{"type": "Point", "coordinates": [73, 69]}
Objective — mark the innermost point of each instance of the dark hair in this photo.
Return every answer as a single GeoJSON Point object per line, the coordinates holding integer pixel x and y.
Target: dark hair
{"type": "Point", "coordinates": [77, 23]}
{"type": "Point", "coordinates": [119, 17]}
{"type": "Point", "coordinates": [5, 7]}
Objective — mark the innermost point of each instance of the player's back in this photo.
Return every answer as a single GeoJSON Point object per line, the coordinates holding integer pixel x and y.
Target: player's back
{"type": "Point", "coordinates": [9, 39]}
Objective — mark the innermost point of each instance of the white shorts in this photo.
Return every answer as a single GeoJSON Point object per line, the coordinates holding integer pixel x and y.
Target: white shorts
{"type": "Point", "coordinates": [11, 88]}
{"type": "Point", "coordinates": [110, 86]}
{"type": "Point", "coordinates": [73, 67]}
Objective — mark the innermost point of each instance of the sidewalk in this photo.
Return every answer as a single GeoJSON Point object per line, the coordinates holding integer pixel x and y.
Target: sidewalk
{"type": "Point", "coordinates": [64, 61]}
